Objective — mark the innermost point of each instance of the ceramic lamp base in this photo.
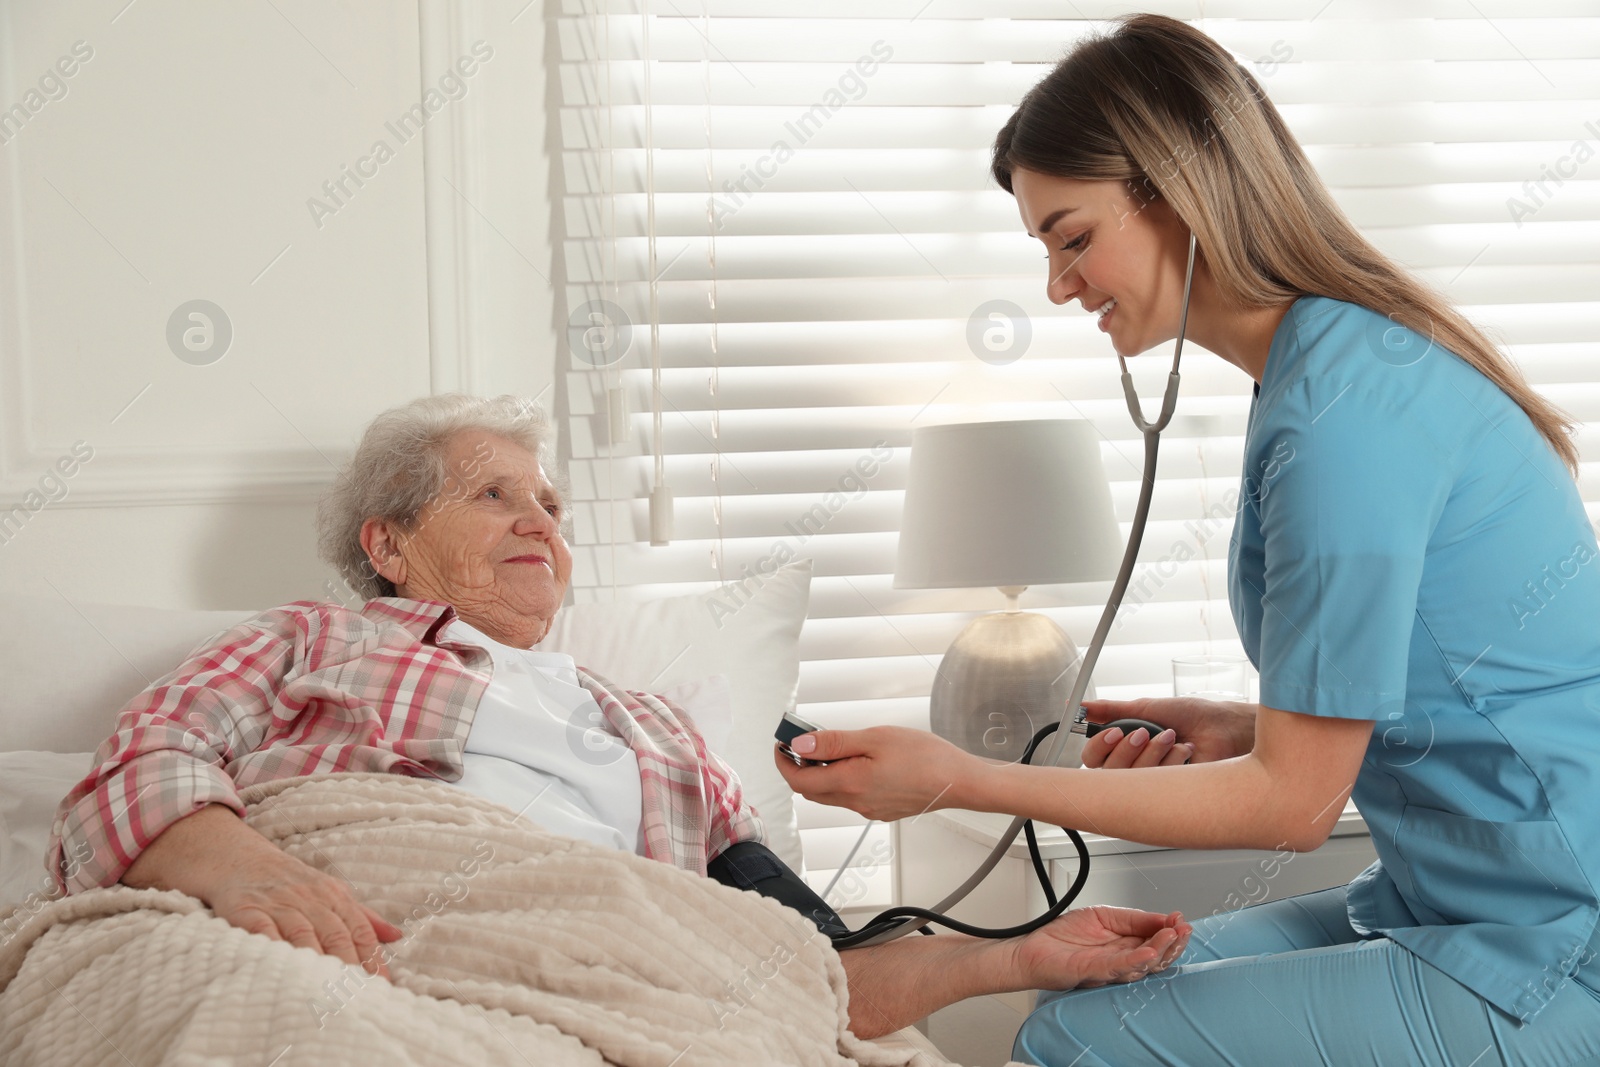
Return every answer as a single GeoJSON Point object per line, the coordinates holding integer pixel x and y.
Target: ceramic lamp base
{"type": "Point", "coordinates": [1005, 676]}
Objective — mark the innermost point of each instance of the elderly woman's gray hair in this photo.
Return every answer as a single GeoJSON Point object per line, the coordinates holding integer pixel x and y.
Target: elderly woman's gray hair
{"type": "Point", "coordinates": [400, 465]}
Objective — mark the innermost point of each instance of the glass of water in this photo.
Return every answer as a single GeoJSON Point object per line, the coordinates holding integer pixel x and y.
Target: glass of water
{"type": "Point", "coordinates": [1222, 677]}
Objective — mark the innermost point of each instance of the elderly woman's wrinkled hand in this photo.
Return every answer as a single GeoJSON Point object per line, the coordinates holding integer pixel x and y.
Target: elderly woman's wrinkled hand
{"type": "Point", "coordinates": [277, 895]}
{"type": "Point", "coordinates": [247, 880]}
{"type": "Point", "coordinates": [1100, 945]}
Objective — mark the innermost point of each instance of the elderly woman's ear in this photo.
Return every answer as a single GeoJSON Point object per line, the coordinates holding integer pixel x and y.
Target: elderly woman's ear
{"type": "Point", "coordinates": [383, 550]}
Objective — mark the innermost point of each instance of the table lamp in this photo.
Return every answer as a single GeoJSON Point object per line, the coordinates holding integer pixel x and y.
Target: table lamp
{"type": "Point", "coordinates": [1007, 504]}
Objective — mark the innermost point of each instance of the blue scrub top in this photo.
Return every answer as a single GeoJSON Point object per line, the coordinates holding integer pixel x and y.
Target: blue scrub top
{"type": "Point", "coordinates": [1408, 549]}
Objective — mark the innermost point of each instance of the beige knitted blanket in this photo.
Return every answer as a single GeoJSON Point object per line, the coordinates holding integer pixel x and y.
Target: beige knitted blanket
{"type": "Point", "coordinates": [521, 947]}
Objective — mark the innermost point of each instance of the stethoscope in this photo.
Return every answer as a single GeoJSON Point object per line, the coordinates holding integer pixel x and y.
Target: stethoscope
{"type": "Point", "coordinates": [897, 922]}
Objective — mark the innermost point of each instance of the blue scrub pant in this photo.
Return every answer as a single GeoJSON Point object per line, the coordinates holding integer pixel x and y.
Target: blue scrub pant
{"type": "Point", "coordinates": [1289, 982]}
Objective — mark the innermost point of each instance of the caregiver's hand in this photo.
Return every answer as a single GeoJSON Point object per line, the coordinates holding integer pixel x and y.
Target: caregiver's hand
{"type": "Point", "coordinates": [883, 772]}
{"type": "Point", "coordinates": [1100, 945]}
{"type": "Point", "coordinates": [1215, 729]}
{"type": "Point", "coordinates": [258, 887]}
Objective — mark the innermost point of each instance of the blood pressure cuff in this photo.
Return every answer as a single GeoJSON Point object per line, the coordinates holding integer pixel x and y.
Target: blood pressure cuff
{"type": "Point", "coordinates": [753, 866]}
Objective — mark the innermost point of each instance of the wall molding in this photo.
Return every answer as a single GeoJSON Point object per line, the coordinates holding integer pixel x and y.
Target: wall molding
{"type": "Point", "coordinates": [124, 479]}
{"type": "Point", "coordinates": [452, 167]}
{"type": "Point", "coordinates": [282, 473]}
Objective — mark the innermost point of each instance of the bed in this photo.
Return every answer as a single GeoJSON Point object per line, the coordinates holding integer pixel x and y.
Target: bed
{"type": "Point", "coordinates": [521, 946]}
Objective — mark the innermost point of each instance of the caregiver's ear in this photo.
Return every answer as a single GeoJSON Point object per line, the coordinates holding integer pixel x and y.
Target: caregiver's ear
{"type": "Point", "coordinates": [379, 541]}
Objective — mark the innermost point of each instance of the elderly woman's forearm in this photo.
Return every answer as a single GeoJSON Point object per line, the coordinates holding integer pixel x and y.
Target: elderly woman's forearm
{"type": "Point", "coordinates": [895, 984]}
{"type": "Point", "coordinates": [195, 853]}
{"type": "Point", "coordinates": [126, 802]}
{"type": "Point", "coordinates": [157, 761]}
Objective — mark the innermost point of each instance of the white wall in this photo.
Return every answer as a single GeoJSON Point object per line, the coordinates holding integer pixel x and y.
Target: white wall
{"type": "Point", "coordinates": [176, 163]}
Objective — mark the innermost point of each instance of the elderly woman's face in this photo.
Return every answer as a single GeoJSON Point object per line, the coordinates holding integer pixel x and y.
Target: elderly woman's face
{"type": "Point", "coordinates": [489, 544]}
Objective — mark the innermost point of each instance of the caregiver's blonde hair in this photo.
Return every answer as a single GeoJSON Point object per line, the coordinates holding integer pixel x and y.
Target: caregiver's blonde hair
{"type": "Point", "coordinates": [1159, 104]}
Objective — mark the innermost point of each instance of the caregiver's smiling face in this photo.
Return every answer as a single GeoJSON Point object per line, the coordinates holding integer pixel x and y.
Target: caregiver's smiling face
{"type": "Point", "coordinates": [489, 544]}
{"type": "Point", "coordinates": [1106, 244]}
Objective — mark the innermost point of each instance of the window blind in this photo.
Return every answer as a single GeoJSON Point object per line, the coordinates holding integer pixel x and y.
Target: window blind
{"type": "Point", "coordinates": [825, 232]}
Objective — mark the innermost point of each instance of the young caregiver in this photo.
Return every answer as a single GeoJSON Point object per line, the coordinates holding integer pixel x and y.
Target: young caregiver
{"type": "Point", "coordinates": [1411, 572]}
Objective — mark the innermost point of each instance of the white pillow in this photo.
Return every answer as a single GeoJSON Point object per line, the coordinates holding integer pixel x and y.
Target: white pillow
{"type": "Point", "coordinates": [70, 668]}
{"type": "Point", "coordinates": [31, 785]}
{"type": "Point", "coordinates": [753, 640]}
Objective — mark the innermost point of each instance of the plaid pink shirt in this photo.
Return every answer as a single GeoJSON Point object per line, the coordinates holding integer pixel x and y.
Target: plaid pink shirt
{"type": "Point", "coordinates": [313, 688]}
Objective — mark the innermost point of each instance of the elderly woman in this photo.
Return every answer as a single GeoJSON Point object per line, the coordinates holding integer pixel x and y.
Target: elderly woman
{"type": "Point", "coordinates": [447, 519]}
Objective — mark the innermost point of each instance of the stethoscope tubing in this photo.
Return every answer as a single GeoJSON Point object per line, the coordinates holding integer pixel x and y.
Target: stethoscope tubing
{"type": "Point", "coordinates": [1151, 432]}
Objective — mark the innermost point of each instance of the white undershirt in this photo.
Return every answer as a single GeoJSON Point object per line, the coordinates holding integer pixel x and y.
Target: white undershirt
{"type": "Point", "coordinates": [540, 745]}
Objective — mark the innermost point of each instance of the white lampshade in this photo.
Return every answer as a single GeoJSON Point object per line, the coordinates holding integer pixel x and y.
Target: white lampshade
{"type": "Point", "coordinates": [1006, 504]}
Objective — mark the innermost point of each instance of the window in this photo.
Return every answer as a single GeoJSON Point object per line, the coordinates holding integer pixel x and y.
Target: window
{"type": "Point", "coordinates": [825, 231]}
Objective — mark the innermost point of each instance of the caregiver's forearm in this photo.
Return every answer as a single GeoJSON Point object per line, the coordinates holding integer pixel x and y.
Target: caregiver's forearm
{"type": "Point", "coordinates": [1234, 803]}
{"type": "Point", "coordinates": [895, 984]}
